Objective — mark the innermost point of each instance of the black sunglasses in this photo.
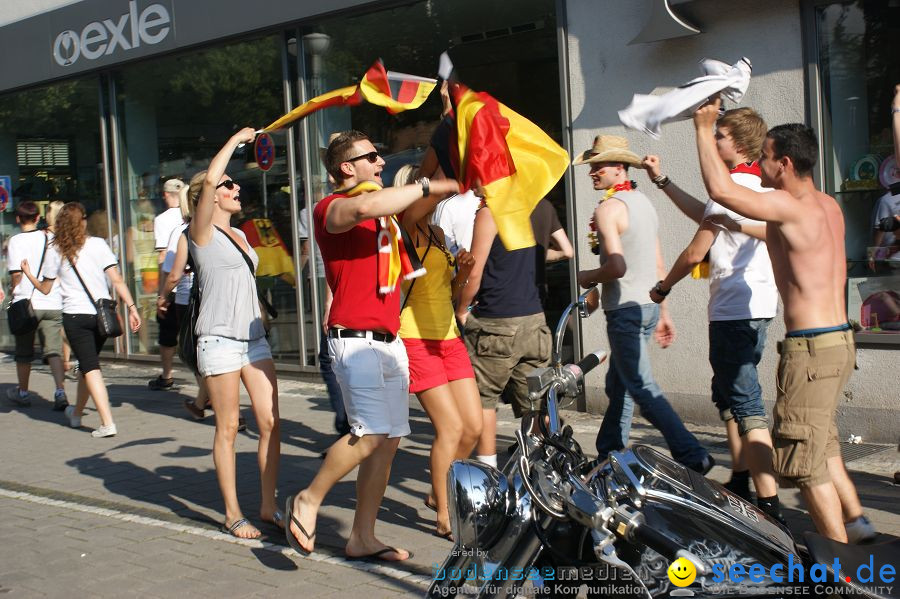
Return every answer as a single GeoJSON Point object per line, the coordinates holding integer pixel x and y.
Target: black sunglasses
{"type": "Point", "coordinates": [228, 184]}
{"type": "Point", "coordinates": [372, 157]}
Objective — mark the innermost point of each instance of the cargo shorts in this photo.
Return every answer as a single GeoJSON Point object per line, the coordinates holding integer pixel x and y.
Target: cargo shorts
{"type": "Point", "coordinates": [505, 350]}
{"type": "Point", "coordinates": [811, 376]}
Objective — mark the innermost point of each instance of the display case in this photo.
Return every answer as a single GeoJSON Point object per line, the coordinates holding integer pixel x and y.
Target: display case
{"type": "Point", "coordinates": [873, 300]}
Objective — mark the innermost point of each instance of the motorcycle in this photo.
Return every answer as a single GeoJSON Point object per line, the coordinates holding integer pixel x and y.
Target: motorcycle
{"type": "Point", "coordinates": [554, 523]}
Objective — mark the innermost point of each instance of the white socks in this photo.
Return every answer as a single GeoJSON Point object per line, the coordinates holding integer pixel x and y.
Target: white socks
{"type": "Point", "coordinates": [490, 460]}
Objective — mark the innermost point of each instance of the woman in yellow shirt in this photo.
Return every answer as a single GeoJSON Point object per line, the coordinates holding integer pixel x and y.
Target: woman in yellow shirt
{"type": "Point", "coordinates": [440, 373]}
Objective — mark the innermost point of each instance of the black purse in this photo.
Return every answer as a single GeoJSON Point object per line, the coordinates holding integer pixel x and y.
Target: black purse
{"type": "Point", "coordinates": [187, 334]}
{"type": "Point", "coordinates": [108, 324]}
{"type": "Point", "coordinates": [20, 314]}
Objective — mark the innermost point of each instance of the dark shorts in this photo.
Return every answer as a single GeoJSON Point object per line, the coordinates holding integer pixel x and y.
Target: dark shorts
{"type": "Point", "coordinates": [168, 327]}
{"type": "Point", "coordinates": [84, 339]}
{"type": "Point", "coordinates": [49, 332]}
{"type": "Point", "coordinates": [735, 348]}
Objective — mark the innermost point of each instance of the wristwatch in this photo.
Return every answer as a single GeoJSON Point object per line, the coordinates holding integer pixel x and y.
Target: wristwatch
{"type": "Point", "coordinates": [658, 289]}
{"type": "Point", "coordinates": [894, 110]}
{"type": "Point", "coordinates": [426, 186]}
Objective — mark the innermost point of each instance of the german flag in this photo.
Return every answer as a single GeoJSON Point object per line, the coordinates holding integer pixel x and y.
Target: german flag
{"type": "Point", "coordinates": [513, 160]}
{"type": "Point", "coordinates": [394, 91]}
{"type": "Point", "coordinates": [274, 259]}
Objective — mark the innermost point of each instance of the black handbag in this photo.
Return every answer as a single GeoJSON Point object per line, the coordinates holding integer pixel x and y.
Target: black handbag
{"type": "Point", "coordinates": [187, 334]}
{"type": "Point", "coordinates": [108, 324]}
{"type": "Point", "coordinates": [20, 314]}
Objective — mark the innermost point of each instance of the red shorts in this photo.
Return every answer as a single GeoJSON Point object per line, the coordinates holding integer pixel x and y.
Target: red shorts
{"type": "Point", "coordinates": [433, 363]}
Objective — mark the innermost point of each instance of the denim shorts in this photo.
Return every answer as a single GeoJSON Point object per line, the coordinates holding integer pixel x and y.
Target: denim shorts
{"type": "Point", "coordinates": [218, 355]}
{"type": "Point", "coordinates": [735, 348]}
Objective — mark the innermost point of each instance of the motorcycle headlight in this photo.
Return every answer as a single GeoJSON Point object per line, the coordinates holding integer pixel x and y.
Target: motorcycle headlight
{"type": "Point", "coordinates": [482, 503]}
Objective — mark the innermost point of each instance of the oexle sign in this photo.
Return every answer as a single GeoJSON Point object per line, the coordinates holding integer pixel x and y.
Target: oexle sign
{"type": "Point", "coordinates": [148, 25]}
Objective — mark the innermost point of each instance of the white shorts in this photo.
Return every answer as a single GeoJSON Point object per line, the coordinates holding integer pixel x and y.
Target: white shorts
{"type": "Point", "coordinates": [374, 379]}
{"type": "Point", "coordinates": [218, 355]}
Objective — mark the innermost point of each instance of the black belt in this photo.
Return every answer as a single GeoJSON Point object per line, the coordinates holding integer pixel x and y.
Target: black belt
{"type": "Point", "coordinates": [355, 334]}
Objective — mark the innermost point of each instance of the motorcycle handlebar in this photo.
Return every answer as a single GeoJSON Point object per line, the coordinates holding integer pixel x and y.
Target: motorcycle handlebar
{"type": "Point", "coordinates": [590, 361]}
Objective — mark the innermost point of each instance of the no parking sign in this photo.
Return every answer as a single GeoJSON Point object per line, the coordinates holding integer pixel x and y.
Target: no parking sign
{"type": "Point", "coordinates": [264, 148]}
{"type": "Point", "coordinates": [5, 191]}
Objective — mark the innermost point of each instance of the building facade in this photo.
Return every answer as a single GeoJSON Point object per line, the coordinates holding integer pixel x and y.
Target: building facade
{"type": "Point", "coordinates": [103, 100]}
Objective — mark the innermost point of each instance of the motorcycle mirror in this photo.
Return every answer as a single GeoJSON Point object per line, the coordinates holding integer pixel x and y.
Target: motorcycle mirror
{"type": "Point", "coordinates": [588, 302]}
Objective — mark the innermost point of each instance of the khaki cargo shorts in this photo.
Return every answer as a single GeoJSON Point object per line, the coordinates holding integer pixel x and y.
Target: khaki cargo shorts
{"type": "Point", "coordinates": [505, 350]}
{"type": "Point", "coordinates": [812, 373]}
{"type": "Point", "coordinates": [49, 332]}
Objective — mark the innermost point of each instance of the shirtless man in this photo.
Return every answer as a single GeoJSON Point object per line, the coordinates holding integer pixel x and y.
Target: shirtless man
{"type": "Point", "coordinates": [804, 234]}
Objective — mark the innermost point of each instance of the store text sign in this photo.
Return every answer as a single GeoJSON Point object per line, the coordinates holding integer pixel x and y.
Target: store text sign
{"type": "Point", "coordinates": [127, 31]}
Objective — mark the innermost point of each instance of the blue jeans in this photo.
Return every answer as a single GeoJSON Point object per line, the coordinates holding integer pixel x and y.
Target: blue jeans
{"type": "Point", "coordinates": [630, 379]}
{"type": "Point", "coordinates": [735, 348]}
{"type": "Point", "coordinates": [334, 388]}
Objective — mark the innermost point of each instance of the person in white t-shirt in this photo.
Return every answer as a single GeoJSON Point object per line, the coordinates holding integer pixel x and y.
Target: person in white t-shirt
{"type": "Point", "coordinates": [98, 268]}
{"type": "Point", "coordinates": [175, 195]}
{"type": "Point", "coordinates": [743, 300]}
{"type": "Point", "coordinates": [34, 245]}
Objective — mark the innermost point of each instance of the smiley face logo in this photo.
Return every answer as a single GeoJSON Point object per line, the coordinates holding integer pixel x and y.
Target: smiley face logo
{"type": "Point", "coordinates": [682, 572]}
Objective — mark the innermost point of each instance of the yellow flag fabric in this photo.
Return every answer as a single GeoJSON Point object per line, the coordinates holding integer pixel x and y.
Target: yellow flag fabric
{"type": "Point", "coordinates": [345, 96]}
{"type": "Point", "coordinates": [515, 162]}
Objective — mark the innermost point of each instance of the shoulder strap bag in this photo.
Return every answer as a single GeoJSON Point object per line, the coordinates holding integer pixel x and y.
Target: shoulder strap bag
{"type": "Point", "coordinates": [108, 323]}
{"type": "Point", "coordinates": [267, 310]}
{"type": "Point", "coordinates": [187, 333]}
{"type": "Point", "coordinates": [20, 314]}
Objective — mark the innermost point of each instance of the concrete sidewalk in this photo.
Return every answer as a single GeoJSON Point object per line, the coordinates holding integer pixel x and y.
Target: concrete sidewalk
{"type": "Point", "coordinates": [144, 507]}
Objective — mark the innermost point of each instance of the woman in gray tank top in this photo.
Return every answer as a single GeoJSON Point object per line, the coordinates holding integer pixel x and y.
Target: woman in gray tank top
{"type": "Point", "coordinates": [231, 342]}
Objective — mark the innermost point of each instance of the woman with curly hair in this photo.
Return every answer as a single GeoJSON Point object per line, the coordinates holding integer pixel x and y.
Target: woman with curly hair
{"type": "Point", "coordinates": [231, 338]}
{"type": "Point", "coordinates": [77, 254]}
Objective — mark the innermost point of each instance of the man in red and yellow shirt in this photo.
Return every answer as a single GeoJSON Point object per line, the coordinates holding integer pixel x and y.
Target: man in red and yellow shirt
{"type": "Point", "coordinates": [367, 357]}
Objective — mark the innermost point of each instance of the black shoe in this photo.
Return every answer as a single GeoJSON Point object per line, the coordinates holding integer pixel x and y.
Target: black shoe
{"type": "Point", "coordinates": [773, 512]}
{"type": "Point", "coordinates": [242, 423]}
{"type": "Point", "coordinates": [703, 466]}
{"type": "Point", "coordinates": [161, 384]}
{"type": "Point", "coordinates": [741, 489]}
{"type": "Point", "coordinates": [60, 401]}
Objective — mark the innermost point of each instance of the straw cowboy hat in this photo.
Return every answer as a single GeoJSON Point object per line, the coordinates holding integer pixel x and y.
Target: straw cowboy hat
{"type": "Point", "coordinates": [609, 148]}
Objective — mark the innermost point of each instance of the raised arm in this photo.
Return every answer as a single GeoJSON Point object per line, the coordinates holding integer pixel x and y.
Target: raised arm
{"type": "Point", "coordinates": [757, 231]}
{"type": "Point", "coordinates": [895, 119]}
{"type": "Point", "coordinates": [483, 235]}
{"type": "Point", "coordinates": [609, 217]}
{"type": "Point", "coordinates": [688, 204]}
{"type": "Point", "coordinates": [767, 206]}
{"type": "Point", "coordinates": [344, 215]}
{"type": "Point", "coordinates": [201, 223]}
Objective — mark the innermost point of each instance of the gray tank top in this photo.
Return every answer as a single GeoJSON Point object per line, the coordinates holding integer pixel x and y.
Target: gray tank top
{"type": "Point", "coordinates": [639, 248]}
{"type": "Point", "coordinates": [229, 306]}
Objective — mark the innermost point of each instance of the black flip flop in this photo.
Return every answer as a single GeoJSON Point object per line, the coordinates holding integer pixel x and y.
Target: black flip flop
{"type": "Point", "coordinates": [376, 557]}
{"type": "Point", "coordinates": [291, 539]}
{"type": "Point", "coordinates": [232, 530]}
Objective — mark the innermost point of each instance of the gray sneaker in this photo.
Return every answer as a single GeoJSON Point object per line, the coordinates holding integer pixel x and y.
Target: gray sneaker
{"type": "Point", "coordinates": [15, 396]}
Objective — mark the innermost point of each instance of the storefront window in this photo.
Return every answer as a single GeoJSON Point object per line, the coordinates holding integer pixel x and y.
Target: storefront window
{"type": "Point", "coordinates": [858, 44]}
{"type": "Point", "coordinates": [506, 49]}
{"type": "Point", "coordinates": [174, 115]}
{"type": "Point", "coordinates": [49, 150]}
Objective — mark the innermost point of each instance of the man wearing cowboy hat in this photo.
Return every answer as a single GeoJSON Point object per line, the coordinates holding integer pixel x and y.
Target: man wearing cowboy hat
{"type": "Point", "coordinates": [631, 262]}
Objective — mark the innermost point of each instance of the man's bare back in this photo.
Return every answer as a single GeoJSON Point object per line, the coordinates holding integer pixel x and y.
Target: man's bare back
{"type": "Point", "coordinates": [807, 256]}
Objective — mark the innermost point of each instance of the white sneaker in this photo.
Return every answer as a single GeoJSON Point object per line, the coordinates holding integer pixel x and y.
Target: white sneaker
{"type": "Point", "coordinates": [105, 430]}
{"type": "Point", "coordinates": [74, 421]}
{"type": "Point", "coordinates": [860, 531]}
